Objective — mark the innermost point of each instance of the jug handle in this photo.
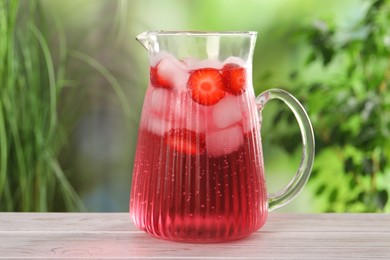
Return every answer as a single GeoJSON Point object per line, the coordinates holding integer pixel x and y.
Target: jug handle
{"type": "Point", "coordinates": [285, 195]}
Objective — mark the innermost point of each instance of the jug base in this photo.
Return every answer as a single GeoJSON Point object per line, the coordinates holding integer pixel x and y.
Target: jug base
{"type": "Point", "coordinates": [200, 232]}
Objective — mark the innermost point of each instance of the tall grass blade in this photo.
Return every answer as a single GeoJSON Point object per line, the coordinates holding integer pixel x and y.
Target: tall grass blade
{"type": "Point", "coordinates": [51, 76]}
{"type": "Point", "coordinates": [111, 80]}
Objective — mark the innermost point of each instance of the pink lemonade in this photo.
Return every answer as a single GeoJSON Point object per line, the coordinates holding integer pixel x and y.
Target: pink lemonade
{"type": "Point", "coordinates": [198, 172]}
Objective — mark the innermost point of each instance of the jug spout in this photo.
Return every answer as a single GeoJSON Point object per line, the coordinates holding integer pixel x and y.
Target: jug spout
{"type": "Point", "coordinates": [143, 38]}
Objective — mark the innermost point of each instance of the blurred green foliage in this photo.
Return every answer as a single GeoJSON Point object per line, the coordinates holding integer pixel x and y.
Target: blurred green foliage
{"type": "Point", "coordinates": [350, 110]}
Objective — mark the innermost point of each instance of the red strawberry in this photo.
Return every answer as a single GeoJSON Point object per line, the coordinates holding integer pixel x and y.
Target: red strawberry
{"type": "Point", "coordinates": [234, 78]}
{"type": "Point", "coordinates": [206, 86]}
{"type": "Point", "coordinates": [185, 141]}
{"type": "Point", "coordinates": [158, 80]}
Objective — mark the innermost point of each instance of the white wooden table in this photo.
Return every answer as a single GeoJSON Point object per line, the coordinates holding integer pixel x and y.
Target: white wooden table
{"type": "Point", "coordinates": [113, 236]}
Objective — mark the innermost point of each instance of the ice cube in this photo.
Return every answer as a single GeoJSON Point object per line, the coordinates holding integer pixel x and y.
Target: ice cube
{"type": "Point", "coordinates": [190, 63]}
{"type": "Point", "coordinates": [216, 64]}
{"type": "Point", "coordinates": [235, 60]}
{"type": "Point", "coordinates": [174, 70]}
{"type": "Point", "coordinates": [224, 141]}
{"type": "Point", "coordinates": [227, 111]}
{"type": "Point", "coordinates": [157, 125]}
{"type": "Point", "coordinates": [159, 100]}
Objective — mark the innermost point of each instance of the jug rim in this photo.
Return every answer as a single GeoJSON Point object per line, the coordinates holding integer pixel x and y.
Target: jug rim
{"type": "Point", "coordinates": [201, 33]}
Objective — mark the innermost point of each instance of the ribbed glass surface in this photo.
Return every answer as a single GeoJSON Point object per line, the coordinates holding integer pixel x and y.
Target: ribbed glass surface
{"type": "Point", "coordinates": [198, 173]}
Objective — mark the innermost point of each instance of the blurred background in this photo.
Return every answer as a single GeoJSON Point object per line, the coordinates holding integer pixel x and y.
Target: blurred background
{"type": "Point", "coordinates": [72, 81]}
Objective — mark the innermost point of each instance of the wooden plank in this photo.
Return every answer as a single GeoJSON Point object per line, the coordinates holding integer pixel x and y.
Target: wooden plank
{"type": "Point", "coordinates": [66, 222]}
{"type": "Point", "coordinates": [121, 222]}
{"type": "Point", "coordinates": [367, 222]}
{"type": "Point", "coordinates": [332, 245]}
{"type": "Point", "coordinates": [113, 236]}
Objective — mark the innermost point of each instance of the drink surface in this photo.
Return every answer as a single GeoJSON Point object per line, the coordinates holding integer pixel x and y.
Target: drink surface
{"type": "Point", "coordinates": [198, 171]}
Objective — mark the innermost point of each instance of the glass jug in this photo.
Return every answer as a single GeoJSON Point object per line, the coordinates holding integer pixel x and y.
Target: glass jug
{"type": "Point", "coordinates": [198, 172]}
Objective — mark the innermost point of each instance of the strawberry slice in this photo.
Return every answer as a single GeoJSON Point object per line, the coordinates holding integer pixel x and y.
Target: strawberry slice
{"type": "Point", "coordinates": [206, 86]}
{"type": "Point", "coordinates": [185, 141]}
{"type": "Point", "coordinates": [158, 80]}
{"type": "Point", "coordinates": [234, 78]}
